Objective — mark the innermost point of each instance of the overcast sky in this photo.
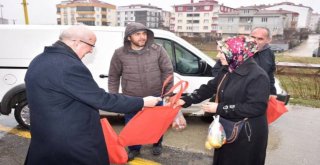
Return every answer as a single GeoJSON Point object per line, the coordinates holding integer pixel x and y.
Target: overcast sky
{"type": "Point", "coordinates": [44, 11]}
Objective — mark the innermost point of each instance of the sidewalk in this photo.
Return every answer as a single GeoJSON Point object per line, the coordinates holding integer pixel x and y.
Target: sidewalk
{"type": "Point", "coordinates": [293, 139]}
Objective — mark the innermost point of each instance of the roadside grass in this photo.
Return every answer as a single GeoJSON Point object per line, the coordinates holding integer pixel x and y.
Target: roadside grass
{"type": "Point", "coordinates": [280, 57]}
{"type": "Point", "coordinates": [304, 90]}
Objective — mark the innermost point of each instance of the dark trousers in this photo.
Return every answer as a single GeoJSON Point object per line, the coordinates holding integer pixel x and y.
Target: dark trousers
{"type": "Point", "coordinates": [127, 118]}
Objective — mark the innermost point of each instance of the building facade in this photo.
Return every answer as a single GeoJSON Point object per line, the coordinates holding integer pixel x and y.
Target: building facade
{"type": "Point", "coordinates": [148, 15]}
{"type": "Point", "coordinates": [305, 12]}
{"type": "Point", "coordinates": [197, 19]}
{"type": "Point", "coordinates": [4, 21]}
{"type": "Point", "coordinates": [245, 19]}
{"type": "Point", "coordinates": [314, 22]}
{"type": "Point", "coordinates": [88, 12]}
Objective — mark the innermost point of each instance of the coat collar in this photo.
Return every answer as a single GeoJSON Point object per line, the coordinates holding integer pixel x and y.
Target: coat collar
{"type": "Point", "coordinates": [62, 48]}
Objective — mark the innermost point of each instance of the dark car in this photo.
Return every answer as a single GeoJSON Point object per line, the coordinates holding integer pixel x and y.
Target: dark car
{"type": "Point", "coordinates": [276, 49]}
{"type": "Point", "coordinates": [315, 53]}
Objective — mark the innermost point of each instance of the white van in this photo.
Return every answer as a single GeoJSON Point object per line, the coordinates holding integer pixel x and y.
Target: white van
{"type": "Point", "coordinates": [21, 43]}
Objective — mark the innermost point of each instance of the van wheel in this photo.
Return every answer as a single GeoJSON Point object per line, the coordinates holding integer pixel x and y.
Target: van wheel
{"type": "Point", "coordinates": [22, 114]}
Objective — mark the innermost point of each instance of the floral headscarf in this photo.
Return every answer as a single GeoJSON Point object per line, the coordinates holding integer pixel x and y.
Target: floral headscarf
{"type": "Point", "coordinates": [237, 50]}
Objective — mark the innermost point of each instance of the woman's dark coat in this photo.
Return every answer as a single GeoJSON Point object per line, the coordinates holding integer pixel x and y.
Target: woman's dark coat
{"type": "Point", "coordinates": [64, 100]}
{"type": "Point", "coordinates": [243, 94]}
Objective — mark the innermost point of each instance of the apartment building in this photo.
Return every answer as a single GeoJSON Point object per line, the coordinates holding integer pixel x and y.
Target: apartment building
{"type": "Point", "coordinates": [165, 20]}
{"type": "Point", "coordinates": [245, 19]}
{"type": "Point", "coordinates": [88, 12]}
{"type": "Point", "coordinates": [305, 12]}
{"type": "Point", "coordinates": [315, 22]}
{"type": "Point", "coordinates": [148, 15]}
{"type": "Point", "coordinates": [197, 18]}
{"type": "Point", "coordinates": [4, 21]}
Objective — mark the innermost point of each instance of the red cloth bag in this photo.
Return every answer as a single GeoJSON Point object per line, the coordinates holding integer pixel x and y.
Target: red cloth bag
{"type": "Point", "coordinates": [275, 109]}
{"type": "Point", "coordinates": [148, 125]}
{"type": "Point", "coordinates": [117, 153]}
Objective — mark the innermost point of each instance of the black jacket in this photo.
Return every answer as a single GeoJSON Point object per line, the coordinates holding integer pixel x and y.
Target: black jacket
{"type": "Point", "coordinates": [265, 59]}
{"type": "Point", "coordinates": [243, 94]}
{"type": "Point", "coordinates": [64, 100]}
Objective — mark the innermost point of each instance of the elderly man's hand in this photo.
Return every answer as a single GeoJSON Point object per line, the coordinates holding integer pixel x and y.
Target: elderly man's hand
{"type": "Point", "coordinates": [151, 101]}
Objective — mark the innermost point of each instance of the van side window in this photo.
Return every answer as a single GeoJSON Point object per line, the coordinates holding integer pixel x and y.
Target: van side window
{"type": "Point", "coordinates": [186, 63]}
{"type": "Point", "coordinates": [183, 61]}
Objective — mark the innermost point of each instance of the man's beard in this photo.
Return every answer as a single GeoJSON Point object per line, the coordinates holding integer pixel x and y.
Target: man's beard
{"type": "Point", "coordinates": [139, 43]}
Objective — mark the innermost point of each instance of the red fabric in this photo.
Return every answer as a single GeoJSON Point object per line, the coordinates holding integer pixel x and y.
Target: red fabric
{"type": "Point", "coordinates": [275, 109]}
{"type": "Point", "coordinates": [147, 126]}
{"type": "Point", "coordinates": [117, 153]}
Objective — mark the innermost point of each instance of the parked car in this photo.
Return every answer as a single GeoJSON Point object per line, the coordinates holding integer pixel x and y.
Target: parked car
{"type": "Point", "coordinates": [276, 49]}
{"type": "Point", "coordinates": [315, 53]}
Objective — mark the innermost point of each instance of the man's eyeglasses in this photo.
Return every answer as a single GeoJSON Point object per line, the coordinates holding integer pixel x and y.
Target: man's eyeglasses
{"type": "Point", "coordinates": [87, 43]}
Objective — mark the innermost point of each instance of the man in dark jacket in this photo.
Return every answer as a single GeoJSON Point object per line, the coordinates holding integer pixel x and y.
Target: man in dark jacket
{"type": "Point", "coordinates": [142, 67]}
{"type": "Point", "coordinates": [264, 57]}
{"type": "Point", "coordinates": [64, 101]}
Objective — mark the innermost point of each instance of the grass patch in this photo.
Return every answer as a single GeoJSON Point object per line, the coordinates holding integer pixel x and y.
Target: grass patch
{"type": "Point", "coordinates": [306, 60]}
{"type": "Point", "coordinates": [212, 54]}
{"type": "Point", "coordinates": [305, 102]}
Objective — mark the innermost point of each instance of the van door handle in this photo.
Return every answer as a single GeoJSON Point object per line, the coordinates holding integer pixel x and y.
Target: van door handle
{"type": "Point", "coordinates": [103, 76]}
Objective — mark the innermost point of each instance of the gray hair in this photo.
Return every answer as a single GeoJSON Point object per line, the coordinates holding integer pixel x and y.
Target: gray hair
{"type": "Point", "coordinates": [75, 32]}
{"type": "Point", "coordinates": [265, 28]}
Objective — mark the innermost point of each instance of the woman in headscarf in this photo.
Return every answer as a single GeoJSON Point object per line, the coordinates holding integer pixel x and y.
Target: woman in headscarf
{"type": "Point", "coordinates": [242, 91]}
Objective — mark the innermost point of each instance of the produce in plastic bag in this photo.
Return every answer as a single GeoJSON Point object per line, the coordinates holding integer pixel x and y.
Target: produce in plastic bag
{"type": "Point", "coordinates": [216, 135]}
{"type": "Point", "coordinates": [179, 122]}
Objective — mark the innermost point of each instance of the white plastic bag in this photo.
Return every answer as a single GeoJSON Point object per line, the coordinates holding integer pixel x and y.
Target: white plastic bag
{"type": "Point", "coordinates": [179, 122]}
{"type": "Point", "coordinates": [216, 135]}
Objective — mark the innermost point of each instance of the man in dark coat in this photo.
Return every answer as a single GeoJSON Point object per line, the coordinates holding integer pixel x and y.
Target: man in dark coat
{"type": "Point", "coordinates": [64, 101]}
{"type": "Point", "coordinates": [264, 57]}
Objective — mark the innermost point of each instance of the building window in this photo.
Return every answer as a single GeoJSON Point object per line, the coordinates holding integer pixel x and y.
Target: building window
{"type": "Point", "coordinates": [230, 19]}
{"type": "Point", "coordinates": [205, 28]}
{"type": "Point", "coordinates": [179, 27]}
{"type": "Point", "coordinates": [246, 11]}
{"type": "Point", "coordinates": [206, 21]}
{"type": "Point", "coordinates": [206, 14]}
{"type": "Point", "coordinates": [179, 14]}
{"type": "Point", "coordinates": [85, 8]}
{"type": "Point", "coordinates": [206, 7]}
{"type": "Point", "coordinates": [190, 8]}
{"type": "Point", "coordinates": [264, 19]}
{"type": "Point", "coordinates": [179, 21]}
{"type": "Point", "coordinates": [193, 15]}
{"type": "Point", "coordinates": [180, 8]}
{"type": "Point", "coordinates": [247, 28]}
{"type": "Point", "coordinates": [193, 21]}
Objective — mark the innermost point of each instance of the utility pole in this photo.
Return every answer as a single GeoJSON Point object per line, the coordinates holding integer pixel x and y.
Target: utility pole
{"type": "Point", "coordinates": [25, 9]}
{"type": "Point", "coordinates": [1, 6]}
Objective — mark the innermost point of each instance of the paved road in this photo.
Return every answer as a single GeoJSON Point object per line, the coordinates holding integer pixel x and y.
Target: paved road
{"type": "Point", "coordinates": [293, 139]}
{"type": "Point", "coordinates": [306, 48]}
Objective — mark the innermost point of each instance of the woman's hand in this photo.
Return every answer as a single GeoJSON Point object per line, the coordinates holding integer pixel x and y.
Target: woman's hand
{"type": "Point", "coordinates": [180, 102]}
{"type": "Point", "coordinates": [210, 107]}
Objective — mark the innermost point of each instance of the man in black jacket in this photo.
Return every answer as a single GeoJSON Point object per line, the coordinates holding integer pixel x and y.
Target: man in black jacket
{"type": "Point", "coordinates": [264, 56]}
{"type": "Point", "coordinates": [65, 100]}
